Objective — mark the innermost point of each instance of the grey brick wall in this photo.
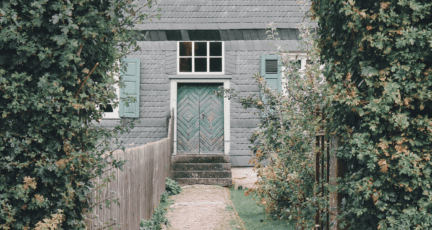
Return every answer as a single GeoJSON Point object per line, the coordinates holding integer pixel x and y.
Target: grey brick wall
{"type": "Point", "coordinates": [158, 63]}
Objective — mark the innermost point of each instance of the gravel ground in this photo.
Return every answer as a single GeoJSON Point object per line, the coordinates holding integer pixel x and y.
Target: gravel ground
{"type": "Point", "coordinates": [201, 207]}
{"type": "Point", "coordinates": [208, 207]}
{"type": "Point", "coordinates": [244, 176]}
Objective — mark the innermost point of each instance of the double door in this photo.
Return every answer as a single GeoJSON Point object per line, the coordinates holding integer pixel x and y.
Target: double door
{"type": "Point", "coordinates": [200, 119]}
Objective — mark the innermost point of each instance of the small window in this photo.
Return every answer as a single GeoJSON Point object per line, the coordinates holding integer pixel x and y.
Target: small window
{"type": "Point", "coordinates": [200, 57]}
{"type": "Point", "coordinates": [106, 109]}
{"type": "Point", "coordinates": [109, 111]}
{"type": "Point", "coordinates": [173, 35]}
{"type": "Point", "coordinates": [202, 35]}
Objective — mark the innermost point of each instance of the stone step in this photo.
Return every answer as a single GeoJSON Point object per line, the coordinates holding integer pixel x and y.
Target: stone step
{"type": "Point", "coordinates": [219, 158]}
{"type": "Point", "coordinates": [201, 174]}
{"type": "Point", "coordinates": [201, 167]}
{"type": "Point", "coordinates": [206, 181]}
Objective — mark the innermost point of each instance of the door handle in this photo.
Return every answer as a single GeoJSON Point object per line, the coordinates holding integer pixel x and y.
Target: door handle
{"type": "Point", "coordinates": [202, 116]}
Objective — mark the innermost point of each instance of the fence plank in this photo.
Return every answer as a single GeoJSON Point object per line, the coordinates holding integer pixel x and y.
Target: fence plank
{"type": "Point", "coordinates": [120, 192]}
{"type": "Point", "coordinates": [135, 194]}
{"type": "Point", "coordinates": [141, 181]}
{"type": "Point", "coordinates": [151, 179]}
{"type": "Point", "coordinates": [127, 188]}
{"type": "Point", "coordinates": [115, 208]}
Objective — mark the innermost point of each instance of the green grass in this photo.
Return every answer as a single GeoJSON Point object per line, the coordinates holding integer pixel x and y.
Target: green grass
{"type": "Point", "coordinates": [254, 216]}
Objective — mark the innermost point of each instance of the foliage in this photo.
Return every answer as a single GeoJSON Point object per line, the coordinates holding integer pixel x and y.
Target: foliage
{"type": "Point", "coordinates": [285, 137]}
{"type": "Point", "coordinates": [253, 216]}
{"type": "Point", "coordinates": [379, 68]}
{"type": "Point", "coordinates": [57, 60]}
{"type": "Point", "coordinates": [159, 216]}
{"type": "Point", "coordinates": [172, 187]}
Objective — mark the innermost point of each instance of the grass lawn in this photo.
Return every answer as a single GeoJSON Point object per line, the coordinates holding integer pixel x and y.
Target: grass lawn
{"type": "Point", "coordinates": [254, 216]}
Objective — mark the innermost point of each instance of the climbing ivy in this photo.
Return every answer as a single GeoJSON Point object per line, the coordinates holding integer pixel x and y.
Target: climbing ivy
{"type": "Point", "coordinates": [379, 69]}
{"type": "Point", "coordinates": [57, 60]}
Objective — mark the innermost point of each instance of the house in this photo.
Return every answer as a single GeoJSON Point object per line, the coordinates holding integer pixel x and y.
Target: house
{"type": "Point", "coordinates": [196, 47]}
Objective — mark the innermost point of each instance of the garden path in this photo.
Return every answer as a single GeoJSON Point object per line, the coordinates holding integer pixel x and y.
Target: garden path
{"type": "Point", "coordinates": [208, 207]}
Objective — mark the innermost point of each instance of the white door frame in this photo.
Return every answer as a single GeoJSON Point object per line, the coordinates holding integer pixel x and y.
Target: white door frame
{"type": "Point", "coordinates": [173, 105]}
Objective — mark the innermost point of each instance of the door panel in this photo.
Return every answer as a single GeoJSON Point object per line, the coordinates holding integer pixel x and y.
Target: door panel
{"type": "Point", "coordinates": [188, 120]}
{"type": "Point", "coordinates": [200, 124]}
{"type": "Point", "coordinates": [212, 122]}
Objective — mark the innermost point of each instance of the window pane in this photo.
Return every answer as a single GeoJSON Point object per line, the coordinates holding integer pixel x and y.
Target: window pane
{"type": "Point", "coordinates": [204, 35]}
{"type": "Point", "coordinates": [173, 35]}
{"type": "Point", "coordinates": [185, 48]}
{"type": "Point", "coordinates": [297, 64]}
{"type": "Point", "coordinates": [107, 109]}
{"type": "Point", "coordinates": [215, 64]}
{"type": "Point", "coordinates": [215, 48]}
{"type": "Point", "coordinates": [185, 65]}
{"type": "Point", "coordinates": [200, 64]}
{"type": "Point", "coordinates": [200, 48]}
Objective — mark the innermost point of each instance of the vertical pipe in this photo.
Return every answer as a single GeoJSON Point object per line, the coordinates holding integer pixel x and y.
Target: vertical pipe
{"type": "Point", "coordinates": [322, 172]}
{"type": "Point", "coordinates": [322, 161]}
{"type": "Point", "coordinates": [317, 176]}
{"type": "Point", "coordinates": [328, 181]}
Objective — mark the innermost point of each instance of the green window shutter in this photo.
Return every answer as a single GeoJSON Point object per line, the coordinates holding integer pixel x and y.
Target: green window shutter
{"type": "Point", "coordinates": [131, 89]}
{"type": "Point", "coordinates": [270, 69]}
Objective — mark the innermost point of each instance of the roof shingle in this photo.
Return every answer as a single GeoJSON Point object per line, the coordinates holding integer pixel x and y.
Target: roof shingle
{"type": "Point", "coordinates": [224, 14]}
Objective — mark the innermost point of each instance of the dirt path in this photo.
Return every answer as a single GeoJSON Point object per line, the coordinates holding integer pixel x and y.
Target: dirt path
{"type": "Point", "coordinates": [203, 207]}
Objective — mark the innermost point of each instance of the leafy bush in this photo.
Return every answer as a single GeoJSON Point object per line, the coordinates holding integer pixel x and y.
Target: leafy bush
{"type": "Point", "coordinates": [379, 67]}
{"type": "Point", "coordinates": [57, 60]}
{"type": "Point", "coordinates": [159, 216]}
{"type": "Point", "coordinates": [285, 137]}
{"type": "Point", "coordinates": [172, 187]}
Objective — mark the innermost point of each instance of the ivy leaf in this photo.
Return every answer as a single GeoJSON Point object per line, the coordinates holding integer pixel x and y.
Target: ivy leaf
{"type": "Point", "coordinates": [55, 19]}
{"type": "Point", "coordinates": [60, 39]}
{"type": "Point", "coordinates": [369, 71]}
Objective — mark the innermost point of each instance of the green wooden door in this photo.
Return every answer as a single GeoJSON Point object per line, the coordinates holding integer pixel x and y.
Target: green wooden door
{"type": "Point", "coordinates": [200, 124]}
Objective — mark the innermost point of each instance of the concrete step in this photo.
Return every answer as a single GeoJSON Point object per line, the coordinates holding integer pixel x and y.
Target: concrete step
{"type": "Point", "coordinates": [201, 167]}
{"type": "Point", "coordinates": [206, 181]}
{"type": "Point", "coordinates": [200, 174]}
{"type": "Point", "coordinates": [219, 158]}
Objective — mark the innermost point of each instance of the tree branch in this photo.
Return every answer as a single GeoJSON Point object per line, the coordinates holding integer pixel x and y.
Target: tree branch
{"type": "Point", "coordinates": [85, 80]}
{"type": "Point", "coordinates": [80, 49]}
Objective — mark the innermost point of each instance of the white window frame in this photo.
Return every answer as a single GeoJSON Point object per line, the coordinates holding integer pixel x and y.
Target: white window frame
{"type": "Point", "coordinates": [292, 56]}
{"type": "Point", "coordinates": [208, 59]}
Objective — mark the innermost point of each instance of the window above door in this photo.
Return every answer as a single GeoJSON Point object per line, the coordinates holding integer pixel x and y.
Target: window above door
{"type": "Point", "coordinates": [200, 57]}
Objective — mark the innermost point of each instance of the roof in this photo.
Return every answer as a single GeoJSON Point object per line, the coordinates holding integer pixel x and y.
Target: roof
{"type": "Point", "coordinates": [224, 14]}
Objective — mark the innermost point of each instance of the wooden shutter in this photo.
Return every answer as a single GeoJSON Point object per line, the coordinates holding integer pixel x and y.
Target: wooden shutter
{"type": "Point", "coordinates": [270, 69]}
{"type": "Point", "coordinates": [131, 89]}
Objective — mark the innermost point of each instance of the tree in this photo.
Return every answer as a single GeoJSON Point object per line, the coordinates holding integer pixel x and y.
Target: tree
{"type": "Point", "coordinates": [57, 61]}
{"type": "Point", "coordinates": [378, 67]}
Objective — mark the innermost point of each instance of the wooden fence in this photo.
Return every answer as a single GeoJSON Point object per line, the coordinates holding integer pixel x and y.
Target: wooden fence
{"type": "Point", "coordinates": [138, 187]}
